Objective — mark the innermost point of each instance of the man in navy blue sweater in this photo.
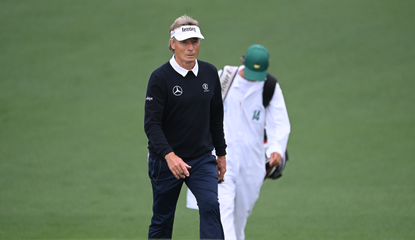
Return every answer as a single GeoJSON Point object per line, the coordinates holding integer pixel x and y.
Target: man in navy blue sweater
{"type": "Point", "coordinates": [184, 124]}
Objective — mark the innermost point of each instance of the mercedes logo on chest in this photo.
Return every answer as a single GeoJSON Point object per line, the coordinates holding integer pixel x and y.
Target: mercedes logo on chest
{"type": "Point", "coordinates": [177, 91]}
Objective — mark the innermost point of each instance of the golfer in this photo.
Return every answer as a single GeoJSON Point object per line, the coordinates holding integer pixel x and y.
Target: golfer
{"type": "Point", "coordinates": [184, 124]}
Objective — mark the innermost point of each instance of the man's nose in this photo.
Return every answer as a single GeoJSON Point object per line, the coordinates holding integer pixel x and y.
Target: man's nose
{"type": "Point", "coordinates": [190, 46]}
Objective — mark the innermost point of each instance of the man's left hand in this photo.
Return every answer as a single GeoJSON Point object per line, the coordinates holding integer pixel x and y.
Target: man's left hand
{"type": "Point", "coordinates": [275, 160]}
{"type": "Point", "coordinates": [221, 167]}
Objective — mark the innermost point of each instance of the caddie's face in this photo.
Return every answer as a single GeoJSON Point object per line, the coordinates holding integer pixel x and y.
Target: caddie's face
{"type": "Point", "coordinates": [186, 51]}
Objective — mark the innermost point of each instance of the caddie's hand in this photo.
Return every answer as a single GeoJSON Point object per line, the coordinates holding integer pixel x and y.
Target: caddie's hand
{"type": "Point", "coordinates": [221, 167]}
{"type": "Point", "coordinates": [275, 160]}
{"type": "Point", "coordinates": [177, 166]}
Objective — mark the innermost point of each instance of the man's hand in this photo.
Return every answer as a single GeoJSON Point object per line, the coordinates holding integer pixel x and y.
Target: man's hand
{"type": "Point", "coordinates": [275, 160]}
{"type": "Point", "coordinates": [177, 166]}
{"type": "Point", "coordinates": [221, 167]}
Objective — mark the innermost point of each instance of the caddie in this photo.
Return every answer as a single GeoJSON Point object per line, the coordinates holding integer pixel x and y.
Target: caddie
{"type": "Point", "coordinates": [244, 121]}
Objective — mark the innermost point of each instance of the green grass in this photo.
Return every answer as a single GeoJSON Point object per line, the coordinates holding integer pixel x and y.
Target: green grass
{"type": "Point", "coordinates": [73, 76]}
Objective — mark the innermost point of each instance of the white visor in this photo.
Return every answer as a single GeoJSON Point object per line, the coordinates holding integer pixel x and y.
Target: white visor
{"type": "Point", "coordinates": [186, 32]}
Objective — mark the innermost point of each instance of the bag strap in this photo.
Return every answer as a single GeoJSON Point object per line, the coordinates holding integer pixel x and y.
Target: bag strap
{"type": "Point", "coordinates": [226, 79]}
{"type": "Point", "coordinates": [268, 91]}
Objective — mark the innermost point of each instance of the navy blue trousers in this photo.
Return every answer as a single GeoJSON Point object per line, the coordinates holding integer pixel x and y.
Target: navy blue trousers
{"type": "Point", "coordinates": [203, 182]}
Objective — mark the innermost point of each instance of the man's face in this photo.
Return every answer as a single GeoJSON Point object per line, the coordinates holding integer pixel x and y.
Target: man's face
{"type": "Point", "coordinates": [186, 51]}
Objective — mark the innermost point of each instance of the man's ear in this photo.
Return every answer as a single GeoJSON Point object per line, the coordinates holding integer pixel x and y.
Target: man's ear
{"type": "Point", "coordinates": [171, 43]}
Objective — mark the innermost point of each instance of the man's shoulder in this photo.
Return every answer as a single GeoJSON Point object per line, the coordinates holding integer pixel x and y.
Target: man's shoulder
{"type": "Point", "coordinates": [206, 65]}
{"type": "Point", "coordinates": [161, 74]}
{"type": "Point", "coordinates": [160, 70]}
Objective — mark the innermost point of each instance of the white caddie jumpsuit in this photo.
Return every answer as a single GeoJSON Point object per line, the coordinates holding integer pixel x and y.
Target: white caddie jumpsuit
{"type": "Point", "coordinates": [244, 120]}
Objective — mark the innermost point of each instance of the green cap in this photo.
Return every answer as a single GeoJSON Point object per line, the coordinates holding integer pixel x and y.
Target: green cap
{"type": "Point", "coordinates": [256, 63]}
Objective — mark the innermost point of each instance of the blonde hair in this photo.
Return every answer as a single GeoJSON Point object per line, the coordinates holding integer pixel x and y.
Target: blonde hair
{"type": "Point", "coordinates": [181, 21]}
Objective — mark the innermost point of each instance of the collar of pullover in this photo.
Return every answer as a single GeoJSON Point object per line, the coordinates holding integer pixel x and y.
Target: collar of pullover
{"type": "Point", "coordinates": [181, 70]}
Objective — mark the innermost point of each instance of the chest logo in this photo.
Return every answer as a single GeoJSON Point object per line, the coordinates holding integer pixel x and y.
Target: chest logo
{"type": "Point", "coordinates": [205, 87]}
{"type": "Point", "coordinates": [177, 91]}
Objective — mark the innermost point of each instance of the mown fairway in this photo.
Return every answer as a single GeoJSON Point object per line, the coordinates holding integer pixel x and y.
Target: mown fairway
{"type": "Point", "coordinates": [73, 76]}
